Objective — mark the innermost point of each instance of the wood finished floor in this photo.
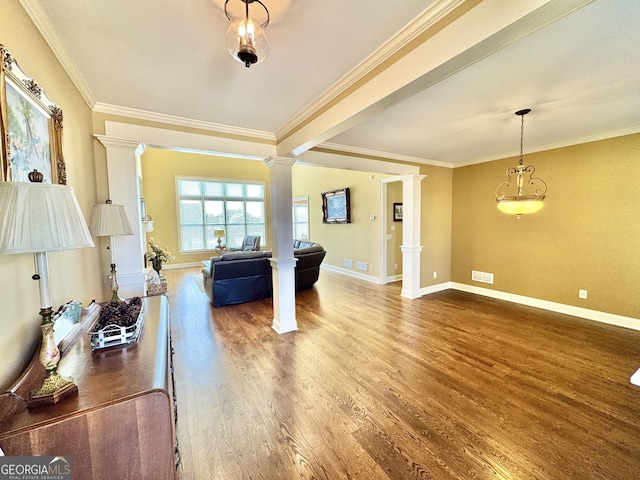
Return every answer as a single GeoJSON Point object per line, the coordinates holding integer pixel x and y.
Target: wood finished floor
{"type": "Point", "coordinates": [375, 386]}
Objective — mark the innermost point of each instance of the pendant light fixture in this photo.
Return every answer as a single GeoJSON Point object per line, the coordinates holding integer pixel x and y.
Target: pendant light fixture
{"type": "Point", "coordinates": [245, 37]}
{"type": "Point", "coordinates": [529, 193]}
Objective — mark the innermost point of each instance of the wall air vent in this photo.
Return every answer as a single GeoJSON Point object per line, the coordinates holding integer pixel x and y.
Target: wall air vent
{"type": "Point", "coordinates": [483, 277]}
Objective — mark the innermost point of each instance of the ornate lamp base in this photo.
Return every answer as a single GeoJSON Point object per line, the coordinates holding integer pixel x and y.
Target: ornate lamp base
{"type": "Point", "coordinates": [54, 387]}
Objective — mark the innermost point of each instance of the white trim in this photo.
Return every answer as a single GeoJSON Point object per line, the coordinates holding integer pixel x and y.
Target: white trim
{"type": "Point", "coordinates": [411, 31]}
{"type": "Point", "coordinates": [172, 266]}
{"type": "Point", "coordinates": [181, 121]}
{"type": "Point", "coordinates": [436, 288]}
{"type": "Point", "coordinates": [190, 142]}
{"type": "Point", "coordinates": [42, 23]}
{"type": "Point", "coordinates": [542, 148]}
{"type": "Point", "coordinates": [351, 273]}
{"type": "Point", "coordinates": [348, 162]}
{"type": "Point", "coordinates": [336, 147]}
{"type": "Point", "coordinates": [595, 315]}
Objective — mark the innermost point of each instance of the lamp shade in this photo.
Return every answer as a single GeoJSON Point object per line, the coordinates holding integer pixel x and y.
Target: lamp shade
{"type": "Point", "coordinates": [108, 219]}
{"type": "Point", "coordinates": [40, 217]}
{"type": "Point", "coordinates": [218, 233]}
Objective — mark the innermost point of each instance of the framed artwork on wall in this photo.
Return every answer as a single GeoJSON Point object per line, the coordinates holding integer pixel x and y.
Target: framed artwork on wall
{"type": "Point", "coordinates": [30, 127]}
{"type": "Point", "coordinates": [336, 206]}
{"type": "Point", "coordinates": [397, 212]}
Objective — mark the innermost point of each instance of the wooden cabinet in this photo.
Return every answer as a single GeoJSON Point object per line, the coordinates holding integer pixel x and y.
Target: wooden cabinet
{"type": "Point", "coordinates": [121, 424]}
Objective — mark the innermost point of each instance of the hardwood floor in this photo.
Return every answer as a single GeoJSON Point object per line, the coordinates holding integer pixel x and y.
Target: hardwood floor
{"type": "Point", "coordinates": [375, 386]}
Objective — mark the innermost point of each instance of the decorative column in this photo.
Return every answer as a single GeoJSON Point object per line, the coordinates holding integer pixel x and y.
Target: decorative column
{"type": "Point", "coordinates": [282, 262]}
{"type": "Point", "coordinates": [124, 189]}
{"type": "Point", "coordinates": [411, 248]}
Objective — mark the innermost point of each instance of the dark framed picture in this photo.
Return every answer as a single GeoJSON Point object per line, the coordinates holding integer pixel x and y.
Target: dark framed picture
{"type": "Point", "coordinates": [397, 212]}
{"type": "Point", "coordinates": [336, 206]}
{"type": "Point", "coordinates": [31, 125]}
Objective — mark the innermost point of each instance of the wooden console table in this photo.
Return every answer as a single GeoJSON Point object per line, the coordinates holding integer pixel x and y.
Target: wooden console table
{"type": "Point", "coordinates": [121, 424]}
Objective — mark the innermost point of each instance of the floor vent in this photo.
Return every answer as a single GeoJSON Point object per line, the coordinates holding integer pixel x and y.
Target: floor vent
{"type": "Point", "coordinates": [483, 277]}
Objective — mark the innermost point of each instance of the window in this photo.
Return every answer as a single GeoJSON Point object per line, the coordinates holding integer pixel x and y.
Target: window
{"type": "Point", "coordinates": [206, 205]}
{"type": "Point", "coordinates": [301, 218]}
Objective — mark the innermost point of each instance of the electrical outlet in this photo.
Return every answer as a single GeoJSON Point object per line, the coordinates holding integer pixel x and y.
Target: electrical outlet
{"type": "Point", "coordinates": [395, 267]}
{"type": "Point", "coordinates": [582, 294]}
{"type": "Point", "coordinates": [435, 274]}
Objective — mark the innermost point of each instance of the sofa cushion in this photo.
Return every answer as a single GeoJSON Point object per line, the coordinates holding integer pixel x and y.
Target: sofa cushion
{"type": "Point", "coordinates": [237, 255]}
{"type": "Point", "coordinates": [238, 277]}
{"type": "Point", "coordinates": [314, 247]}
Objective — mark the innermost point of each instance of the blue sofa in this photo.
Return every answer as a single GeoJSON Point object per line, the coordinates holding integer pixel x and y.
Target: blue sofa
{"type": "Point", "coordinates": [238, 277]}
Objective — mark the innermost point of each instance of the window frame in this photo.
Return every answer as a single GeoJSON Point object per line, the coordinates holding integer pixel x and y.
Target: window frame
{"type": "Point", "coordinates": [297, 201]}
{"type": "Point", "coordinates": [203, 198]}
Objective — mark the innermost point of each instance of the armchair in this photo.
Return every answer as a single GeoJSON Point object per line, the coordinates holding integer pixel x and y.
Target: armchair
{"type": "Point", "coordinates": [249, 243]}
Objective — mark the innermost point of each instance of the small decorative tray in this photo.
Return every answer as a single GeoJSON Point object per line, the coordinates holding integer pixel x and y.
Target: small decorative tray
{"type": "Point", "coordinates": [119, 324]}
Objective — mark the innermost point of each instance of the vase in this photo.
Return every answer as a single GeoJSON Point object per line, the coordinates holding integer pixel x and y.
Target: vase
{"type": "Point", "coordinates": [157, 266]}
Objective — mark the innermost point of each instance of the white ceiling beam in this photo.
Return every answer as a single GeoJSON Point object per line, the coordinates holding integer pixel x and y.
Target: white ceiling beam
{"type": "Point", "coordinates": [484, 29]}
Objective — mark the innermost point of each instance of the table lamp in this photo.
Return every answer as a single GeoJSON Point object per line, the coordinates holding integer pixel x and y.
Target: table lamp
{"type": "Point", "coordinates": [219, 234]}
{"type": "Point", "coordinates": [39, 218]}
{"type": "Point", "coordinates": [109, 220]}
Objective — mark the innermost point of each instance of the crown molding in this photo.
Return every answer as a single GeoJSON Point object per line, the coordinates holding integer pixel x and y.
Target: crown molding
{"type": "Point", "coordinates": [337, 148]}
{"type": "Point", "coordinates": [412, 30]}
{"type": "Point", "coordinates": [40, 20]}
{"type": "Point", "coordinates": [552, 146]}
{"type": "Point", "coordinates": [181, 121]}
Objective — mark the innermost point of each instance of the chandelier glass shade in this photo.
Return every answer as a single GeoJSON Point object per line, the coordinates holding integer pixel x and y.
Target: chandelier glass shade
{"type": "Point", "coordinates": [521, 193]}
{"type": "Point", "coordinates": [245, 38]}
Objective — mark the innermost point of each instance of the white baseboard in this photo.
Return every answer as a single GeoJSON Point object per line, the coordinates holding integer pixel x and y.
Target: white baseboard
{"type": "Point", "coordinates": [351, 273]}
{"type": "Point", "coordinates": [171, 266]}
{"type": "Point", "coordinates": [435, 288]}
{"type": "Point", "coordinates": [595, 315]}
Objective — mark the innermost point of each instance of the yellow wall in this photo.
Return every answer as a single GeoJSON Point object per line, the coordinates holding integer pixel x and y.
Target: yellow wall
{"type": "Point", "coordinates": [435, 231]}
{"type": "Point", "coordinates": [159, 171]}
{"type": "Point", "coordinates": [74, 274]}
{"type": "Point", "coordinates": [358, 240]}
{"type": "Point", "coordinates": [586, 236]}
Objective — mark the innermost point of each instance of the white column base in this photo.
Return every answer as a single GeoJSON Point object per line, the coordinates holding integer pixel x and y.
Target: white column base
{"type": "Point", "coordinates": [411, 271]}
{"type": "Point", "coordinates": [284, 295]}
{"type": "Point", "coordinates": [131, 284]}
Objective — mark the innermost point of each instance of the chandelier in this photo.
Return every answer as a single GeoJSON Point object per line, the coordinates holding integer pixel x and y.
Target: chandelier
{"type": "Point", "coordinates": [245, 38]}
{"type": "Point", "coordinates": [529, 190]}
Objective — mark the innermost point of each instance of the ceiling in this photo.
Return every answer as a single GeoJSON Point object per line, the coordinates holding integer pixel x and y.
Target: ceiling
{"type": "Point", "coordinates": [440, 93]}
